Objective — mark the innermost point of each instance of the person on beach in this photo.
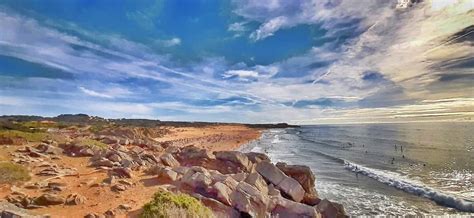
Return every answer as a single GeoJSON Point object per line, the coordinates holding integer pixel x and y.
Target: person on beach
{"type": "Point", "coordinates": [401, 148]}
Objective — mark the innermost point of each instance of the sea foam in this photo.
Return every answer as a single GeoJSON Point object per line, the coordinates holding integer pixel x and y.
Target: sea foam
{"type": "Point", "coordinates": [413, 187]}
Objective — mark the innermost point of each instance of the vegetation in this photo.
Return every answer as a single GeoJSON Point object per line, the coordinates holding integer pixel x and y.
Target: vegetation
{"type": "Point", "coordinates": [29, 136]}
{"type": "Point", "coordinates": [10, 173]}
{"type": "Point", "coordinates": [92, 143]}
{"type": "Point", "coordinates": [167, 204]}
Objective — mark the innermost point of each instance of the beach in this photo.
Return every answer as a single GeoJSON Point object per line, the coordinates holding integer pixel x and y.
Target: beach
{"type": "Point", "coordinates": [102, 198]}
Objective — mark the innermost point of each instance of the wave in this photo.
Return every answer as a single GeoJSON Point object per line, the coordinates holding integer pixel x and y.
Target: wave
{"type": "Point", "coordinates": [413, 187]}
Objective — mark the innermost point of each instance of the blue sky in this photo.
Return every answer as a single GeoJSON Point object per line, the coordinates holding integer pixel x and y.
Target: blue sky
{"type": "Point", "coordinates": [314, 61]}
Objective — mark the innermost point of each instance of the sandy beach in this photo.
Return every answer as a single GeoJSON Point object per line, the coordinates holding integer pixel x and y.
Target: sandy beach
{"type": "Point", "coordinates": [88, 181]}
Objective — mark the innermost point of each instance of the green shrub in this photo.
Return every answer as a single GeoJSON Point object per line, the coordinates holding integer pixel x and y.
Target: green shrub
{"type": "Point", "coordinates": [29, 136]}
{"type": "Point", "coordinates": [10, 173]}
{"type": "Point", "coordinates": [92, 143]}
{"type": "Point", "coordinates": [167, 204]}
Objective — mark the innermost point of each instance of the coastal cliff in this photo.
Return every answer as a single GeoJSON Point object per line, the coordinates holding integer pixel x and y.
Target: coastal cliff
{"type": "Point", "coordinates": [92, 167]}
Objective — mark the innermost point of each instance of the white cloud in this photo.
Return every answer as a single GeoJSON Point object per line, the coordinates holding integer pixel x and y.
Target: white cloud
{"type": "Point", "coordinates": [171, 42]}
{"type": "Point", "coordinates": [242, 74]}
{"type": "Point", "coordinates": [94, 93]}
{"type": "Point", "coordinates": [237, 27]}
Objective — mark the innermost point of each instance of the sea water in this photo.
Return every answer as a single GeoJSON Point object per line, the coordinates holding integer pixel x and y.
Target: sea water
{"type": "Point", "coordinates": [383, 169]}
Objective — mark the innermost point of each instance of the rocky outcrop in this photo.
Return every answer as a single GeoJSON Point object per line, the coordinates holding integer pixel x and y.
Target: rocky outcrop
{"type": "Point", "coordinates": [305, 178]}
{"type": "Point", "coordinates": [287, 185]}
{"type": "Point", "coordinates": [259, 189]}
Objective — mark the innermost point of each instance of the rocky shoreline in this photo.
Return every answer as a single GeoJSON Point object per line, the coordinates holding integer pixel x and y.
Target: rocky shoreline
{"type": "Point", "coordinates": [120, 173]}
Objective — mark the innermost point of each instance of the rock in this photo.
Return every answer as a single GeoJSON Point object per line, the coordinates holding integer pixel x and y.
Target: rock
{"type": "Point", "coordinates": [48, 199]}
{"type": "Point", "coordinates": [305, 177]}
{"type": "Point", "coordinates": [57, 186]}
{"type": "Point", "coordinates": [272, 191]}
{"type": "Point", "coordinates": [86, 152]}
{"type": "Point", "coordinates": [222, 193]}
{"type": "Point", "coordinates": [109, 213]}
{"type": "Point", "coordinates": [235, 157]}
{"type": "Point", "coordinates": [114, 158]}
{"type": "Point", "coordinates": [255, 157]}
{"type": "Point", "coordinates": [9, 210]}
{"type": "Point", "coordinates": [110, 180]}
{"type": "Point", "coordinates": [126, 163]}
{"type": "Point", "coordinates": [125, 207]}
{"type": "Point", "coordinates": [181, 170]}
{"type": "Point", "coordinates": [122, 172]}
{"type": "Point", "coordinates": [239, 177]}
{"type": "Point", "coordinates": [172, 149]}
{"type": "Point", "coordinates": [331, 210]}
{"type": "Point", "coordinates": [136, 150]}
{"type": "Point", "coordinates": [194, 156]}
{"type": "Point", "coordinates": [282, 207]}
{"type": "Point", "coordinates": [196, 180]}
{"type": "Point", "coordinates": [169, 160]}
{"type": "Point", "coordinates": [49, 149]}
{"type": "Point", "coordinates": [109, 140]}
{"type": "Point", "coordinates": [258, 182]}
{"type": "Point", "coordinates": [286, 184]}
{"type": "Point", "coordinates": [75, 199]}
{"type": "Point", "coordinates": [292, 188]}
{"type": "Point", "coordinates": [91, 215]}
{"type": "Point", "coordinates": [167, 174]}
{"type": "Point", "coordinates": [218, 209]}
{"type": "Point", "coordinates": [103, 162]}
{"type": "Point", "coordinates": [118, 188]}
{"type": "Point", "coordinates": [246, 198]}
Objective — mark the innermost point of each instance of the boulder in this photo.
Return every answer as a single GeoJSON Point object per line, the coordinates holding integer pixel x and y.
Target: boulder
{"type": "Point", "coordinates": [222, 192]}
{"type": "Point", "coordinates": [287, 185]}
{"type": "Point", "coordinates": [75, 199]}
{"type": "Point", "coordinates": [122, 172]}
{"type": "Point", "coordinates": [191, 155]}
{"type": "Point", "coordinates": [196, 180]}
{"type": "Point", "coordinates": [236, 157]}
{"type": "Point", "coordinates": [218, 209]}
{"type": "Point", "coordinates": [255, 157]}
{"type": "Point", "coordinates": [239, 177]}
{"type": "Point", "coordinates": [49, 199]}
{"type": "Point", "coordinates": [86, 152]}
{"type": "Point", "coordinates": [9, 210]}
{"type": "Point", "coordinates": [103, 163]}
{"type": "Point", "coordinates": [168, 160]}
{"type": "Point", "coordinates": [49, 149]}
{"type": "Point", "coordinates": [258, 182]}
{"type": "Point", "coordinates": [172, 149]}
{"type": "Point", "coordinates": [329, 209]}
{"type": "Point", "coordinates": [248, 199]}
{"type": "Point", "coordinates": [167, 175]}
{"type": "Point", "coordinates": [305, 177]}
{"type": "Point", "coordinates": [292, 188]}
{"type": "Point", "coordinates": [118, 188]}
{"type": "Point", "coordinates": [114, 157]}
{"type": "Point", "coordinates": [282, 207]}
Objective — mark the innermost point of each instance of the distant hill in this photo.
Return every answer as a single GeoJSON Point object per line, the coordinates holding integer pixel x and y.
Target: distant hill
{"type": "Point", "coordinates": [86, 119]}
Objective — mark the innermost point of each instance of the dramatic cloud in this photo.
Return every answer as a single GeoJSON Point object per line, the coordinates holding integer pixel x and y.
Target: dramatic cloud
{"type": "Point", "coordinates": [329, 61]}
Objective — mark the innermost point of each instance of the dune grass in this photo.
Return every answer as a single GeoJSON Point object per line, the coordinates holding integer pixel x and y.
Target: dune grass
{"type": "Point", "coordinates": [12, 173]}
{"type": "Point", "coordinates": [167, 204]}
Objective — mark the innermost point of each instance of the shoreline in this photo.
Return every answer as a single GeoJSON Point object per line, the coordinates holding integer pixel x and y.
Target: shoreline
{"type": "Point", "coordinates": [89, 170]}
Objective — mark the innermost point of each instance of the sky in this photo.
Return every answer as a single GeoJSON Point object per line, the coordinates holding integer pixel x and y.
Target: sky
{"type": "Point", "coordinates": [252, 61]}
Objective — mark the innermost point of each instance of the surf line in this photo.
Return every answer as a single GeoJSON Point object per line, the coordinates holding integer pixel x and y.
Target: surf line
{"type": "Point", "coordinates": [409, 186]}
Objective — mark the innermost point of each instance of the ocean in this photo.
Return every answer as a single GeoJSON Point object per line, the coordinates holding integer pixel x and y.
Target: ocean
{"type": "Point", "coordinates": [383, 169]}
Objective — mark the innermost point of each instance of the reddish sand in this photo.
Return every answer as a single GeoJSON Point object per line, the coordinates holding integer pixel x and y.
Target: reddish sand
{"type": "Point", "coordinates": [101, 198]}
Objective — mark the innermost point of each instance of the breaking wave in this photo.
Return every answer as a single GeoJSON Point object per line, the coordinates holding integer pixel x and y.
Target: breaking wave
{"type": "Point", "coordinates": [413, 187]}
